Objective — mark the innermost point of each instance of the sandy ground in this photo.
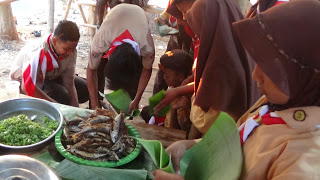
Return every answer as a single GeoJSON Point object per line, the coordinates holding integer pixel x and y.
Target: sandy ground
{"type": "Point", "coordinates": [31, 18]}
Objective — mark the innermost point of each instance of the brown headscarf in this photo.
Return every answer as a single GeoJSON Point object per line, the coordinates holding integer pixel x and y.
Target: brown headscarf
{"type": "Point", "coordinates": [286, 47]}
{"type": "Point", "coordinates": [174, 11]}
{"type": "Point", "coordinates": [223, 72]}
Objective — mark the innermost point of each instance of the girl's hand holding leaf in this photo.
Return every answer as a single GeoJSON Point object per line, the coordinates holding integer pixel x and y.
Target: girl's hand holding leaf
{"type": "Point", "coordinates": [162, 175]}
{"type": "Point", "coordinates": [177, 149]}
{"type": "Point", "coordinates": [170, 95]}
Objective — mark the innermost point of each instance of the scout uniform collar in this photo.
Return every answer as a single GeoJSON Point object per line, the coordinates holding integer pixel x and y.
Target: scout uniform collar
{"type": "Point", "coordinates": [125, 37]}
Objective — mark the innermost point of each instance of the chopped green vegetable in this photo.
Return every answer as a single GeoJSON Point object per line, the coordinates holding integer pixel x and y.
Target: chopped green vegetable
{"type": "Point", "coordinates": [20, 130]}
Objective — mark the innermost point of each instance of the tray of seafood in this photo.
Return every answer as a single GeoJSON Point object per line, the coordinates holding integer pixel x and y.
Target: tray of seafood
{"type": "Point", "coordinates": [100, 139]}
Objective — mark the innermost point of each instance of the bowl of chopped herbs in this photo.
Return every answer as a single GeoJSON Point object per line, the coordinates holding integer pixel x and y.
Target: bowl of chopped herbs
{"type": "Point", "coordinates": [28, 123]}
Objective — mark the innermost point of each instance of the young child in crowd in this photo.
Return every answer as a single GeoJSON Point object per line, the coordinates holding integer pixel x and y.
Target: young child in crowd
{"type": "Point", "coordinates": [177, 66]}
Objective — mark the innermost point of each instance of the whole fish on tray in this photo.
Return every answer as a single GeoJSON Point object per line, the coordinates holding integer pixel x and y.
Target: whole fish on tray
{"type": "Point", "coordinates": [100, 136]}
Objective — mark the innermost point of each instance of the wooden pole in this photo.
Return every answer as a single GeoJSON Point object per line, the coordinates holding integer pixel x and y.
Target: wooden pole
{"type": "Point", "coordinates": [67, 10]}
{"type": "Point", "coordinates": [91, 20]}
{"type": "Point", "coordinates": [51, 16]}
{"type": "Point", "coordinates": [7, 24]}
{"type": "Point", "coordinates": [82, 13]}
{"type": "Point", "coordinates": [89, 25]}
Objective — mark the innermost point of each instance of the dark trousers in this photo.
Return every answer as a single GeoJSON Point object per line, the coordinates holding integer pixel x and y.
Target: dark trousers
{"type": "Point", "coordinates": [56, 90]}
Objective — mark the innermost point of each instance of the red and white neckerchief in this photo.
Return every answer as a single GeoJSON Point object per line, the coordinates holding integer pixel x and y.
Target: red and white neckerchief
{"type": "Point", "coordinates": [157, 120]}
{"type": "Point", "coordinates": [125, 37]}
{"type": "Point", "coordinates": [172, 22]}
{"type": "Point", "coordinates": [280, 2]}
{"type": "Point", "coordinates": [263, 117]}
{"type": "Point", "coordinates": [48, 61]}
{"type": "Point", "coordinates": [195, 42]}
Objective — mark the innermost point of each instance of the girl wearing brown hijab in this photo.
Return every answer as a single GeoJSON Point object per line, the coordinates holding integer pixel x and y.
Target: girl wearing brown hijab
{"type": "Point", "coordinates": [222, 75]}
{"type": "Point", "coordinates": [287, 54]}
{"type": "Point", "coordinates": [280, 138]}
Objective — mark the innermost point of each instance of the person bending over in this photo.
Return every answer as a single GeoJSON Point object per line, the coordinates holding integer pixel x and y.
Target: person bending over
{"type": "Point", "coordinates": [124, 26]}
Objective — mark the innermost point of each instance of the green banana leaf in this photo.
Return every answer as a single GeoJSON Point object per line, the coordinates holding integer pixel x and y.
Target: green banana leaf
{"type": "Point", "coordinates": [217, 156]}
{"type": "Point", "coordinates": [69, 170]}
{"type": "Point", "coordinates": [47, 159]}
{"type": "Point", "coordinates": [158, 154]}
{"type": "Point", "coordinates": [143, 161]}
{"type": "Point", "coordinates": [70, 112]}
{"type": "Point", "coordinates": [120, 101]}
{"type": "Point", "coordinates": [154, 100]}
{"type": "Point", "coordinates": [135, 113]}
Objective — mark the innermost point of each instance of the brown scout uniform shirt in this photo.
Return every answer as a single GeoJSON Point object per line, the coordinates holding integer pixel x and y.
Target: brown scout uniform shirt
{"type": "Point", "coordinates": [284, 151]}
{"type": "Point", "coordinates": [66, 68]}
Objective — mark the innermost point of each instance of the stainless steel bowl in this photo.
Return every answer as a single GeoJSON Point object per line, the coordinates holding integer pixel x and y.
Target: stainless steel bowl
{"type": "Point", "coordinates": [19, 167]}
{"type": "Point", "coordinates": [30, 107]}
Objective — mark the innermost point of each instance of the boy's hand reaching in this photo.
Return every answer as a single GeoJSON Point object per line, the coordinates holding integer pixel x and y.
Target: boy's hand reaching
{"type": "Point", "coordinates": [170, 95]}
{"type": "Point", "coordinates": [133, 105]}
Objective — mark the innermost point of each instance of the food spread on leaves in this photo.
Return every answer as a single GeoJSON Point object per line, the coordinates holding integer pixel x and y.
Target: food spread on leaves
{"type": "Point", "coordinates": [100, 136]}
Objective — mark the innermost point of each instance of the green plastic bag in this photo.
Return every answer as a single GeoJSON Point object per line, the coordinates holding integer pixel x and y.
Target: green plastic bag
{"type": "Point", "coordinates": [154, 100]}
